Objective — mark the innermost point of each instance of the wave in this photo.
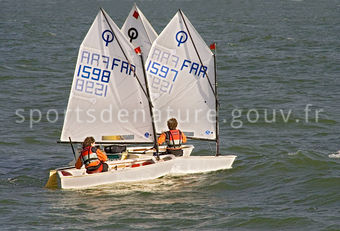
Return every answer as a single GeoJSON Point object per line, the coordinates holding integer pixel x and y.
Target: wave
{"type": "Point", "coordinates": [268, 222]}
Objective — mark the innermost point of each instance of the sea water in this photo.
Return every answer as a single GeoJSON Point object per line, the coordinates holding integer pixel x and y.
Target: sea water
{"type": "Point", "coordinates": [279, 90]}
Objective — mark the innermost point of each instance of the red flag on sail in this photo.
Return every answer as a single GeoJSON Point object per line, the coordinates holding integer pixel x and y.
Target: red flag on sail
{"type": "Point", "coordinates": [135, 14]}
{"type": "Point", "coordinates": [213, 46]}
{"type": "Point", "coordinates": [138, 50]}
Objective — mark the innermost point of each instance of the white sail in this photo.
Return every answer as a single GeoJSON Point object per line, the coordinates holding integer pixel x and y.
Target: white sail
{"type": "Point", "coordinates": [139, 31]}
{"type": "Point", "coordinates": [182, 84]}
{"type": "Point", "coordinates": [107, 101]}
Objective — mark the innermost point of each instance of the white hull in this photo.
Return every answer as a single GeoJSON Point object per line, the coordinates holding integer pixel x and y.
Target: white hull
{"type": "Point", "coordinates": [82, 180]}
{"type": "Point", "coordinates": [174, 165]}
{"type": "Point", "coordinates": [200, 164]}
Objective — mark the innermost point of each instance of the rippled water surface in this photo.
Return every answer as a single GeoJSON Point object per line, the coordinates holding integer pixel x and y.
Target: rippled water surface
{"type": "Point", "coordinates": [274, 59]}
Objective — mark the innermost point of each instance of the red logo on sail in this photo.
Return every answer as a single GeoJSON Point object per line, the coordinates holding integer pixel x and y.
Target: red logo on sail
{"type": "Point", "coordinates": [135, 14]}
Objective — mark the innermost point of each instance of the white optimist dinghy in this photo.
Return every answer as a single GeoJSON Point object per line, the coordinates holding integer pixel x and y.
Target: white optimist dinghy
{"type": "Point", "coordinates": [181, 75]}
{"type": "Point", "coordinates": [115, 98]}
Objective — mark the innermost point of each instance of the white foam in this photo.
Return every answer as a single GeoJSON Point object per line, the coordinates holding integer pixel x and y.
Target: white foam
{"type": "Point", "coordinates": [335, 155]}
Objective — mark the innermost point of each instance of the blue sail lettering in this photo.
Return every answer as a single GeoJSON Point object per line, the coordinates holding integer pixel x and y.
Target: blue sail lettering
{"type": "Point", "coordinates": [194, 67]}
{"type": "Point", "coordinates": [106, 61]}
{"type": "Point", "coordinates": [203, 70]}
{"type": "Point", "coordinates": [114, 63]}
{"type": "Point", "coordinates": [125, 66]}
{"type": "Point", "coordinates": [85, 55]}
{"type": "Point", "coordinates": [184, 63]}
{"type": "Point", "coordinates": [95, 57]}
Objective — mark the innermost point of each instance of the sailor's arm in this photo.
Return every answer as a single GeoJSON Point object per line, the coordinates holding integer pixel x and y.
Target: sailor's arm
{"type": "Point", "coordinates": [184, 138]}
{"type": "Point", "coordinates": [79, 163]}
{"type": "Point", "coordinates": [101, 155]}
{"type": "Point", "coordinates": [161, 139]}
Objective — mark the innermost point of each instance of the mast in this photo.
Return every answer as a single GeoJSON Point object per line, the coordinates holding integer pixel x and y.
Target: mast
{"type": "Point", "coordinates": [150, 107]}
{"type": "Point", "coordinates": [217, 110]}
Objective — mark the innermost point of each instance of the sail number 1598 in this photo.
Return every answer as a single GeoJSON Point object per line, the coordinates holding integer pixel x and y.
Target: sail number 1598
{"type": "Point", "coordinates": [92, 80]}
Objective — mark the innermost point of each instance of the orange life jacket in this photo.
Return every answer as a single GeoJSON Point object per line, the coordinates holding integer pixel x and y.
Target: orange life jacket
{"type": "Point", "coordinates": [90, 159]}
{"type": "Point", "coordinates": [174, 139]}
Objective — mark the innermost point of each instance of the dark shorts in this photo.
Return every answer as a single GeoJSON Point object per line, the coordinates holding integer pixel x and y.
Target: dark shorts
{"type": "Point", "coordinates": [176, 152]}
{"type": "Point", "coordinates": [105, 167]}
{"type": "Point", "coordinates": [102, 167]}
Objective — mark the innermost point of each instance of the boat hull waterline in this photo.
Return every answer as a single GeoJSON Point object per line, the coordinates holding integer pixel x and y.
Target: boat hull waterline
{"type": "Point", "coordinates": [142, 169]}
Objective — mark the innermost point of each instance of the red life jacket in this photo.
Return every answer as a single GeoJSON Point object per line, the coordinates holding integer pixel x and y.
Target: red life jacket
{"type": "Point", "coordinates": [174, 139]}
{"type": "Point", "coordinates": [90, 160]}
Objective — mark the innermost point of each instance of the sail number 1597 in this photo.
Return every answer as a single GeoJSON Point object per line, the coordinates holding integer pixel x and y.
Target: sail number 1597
{"type": "Point", "coordinates": [162, 71]}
